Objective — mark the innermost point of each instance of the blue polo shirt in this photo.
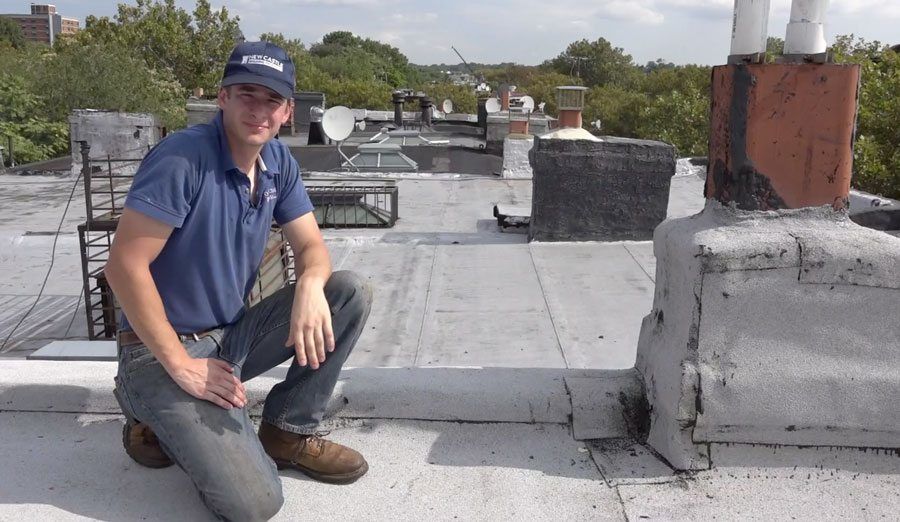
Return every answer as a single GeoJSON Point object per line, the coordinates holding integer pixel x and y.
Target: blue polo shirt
{"type": "Point", "coordinates": [189, 181]}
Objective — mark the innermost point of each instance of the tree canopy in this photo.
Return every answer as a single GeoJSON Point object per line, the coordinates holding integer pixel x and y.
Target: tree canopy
{"type": "Point", "coordinates": [150, 55]}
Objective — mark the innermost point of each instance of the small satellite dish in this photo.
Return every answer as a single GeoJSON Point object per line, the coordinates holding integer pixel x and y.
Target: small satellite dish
{"type": "Point", "coordinates": [527, 103]}
{"type": "Point", "coordinates": [492, 105]}
{"type": "Point", "coordinates": [338, 122]}
{"type": "Point", "coordinates": [315, 113]}
{"type": "Point", "coordinates": [447, 106]}
{"type": "Point", "coordinates": [541, 106]}
{"type": "Point", "coordinates": [597, 124]}
{"type": "Point", "coordinates": [361, 125]}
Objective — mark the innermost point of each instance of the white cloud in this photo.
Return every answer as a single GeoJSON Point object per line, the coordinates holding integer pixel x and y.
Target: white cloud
{"type": "Point", "coordinates": [888, 8]}
{"type": "Point", "coordinates": [630, 11]}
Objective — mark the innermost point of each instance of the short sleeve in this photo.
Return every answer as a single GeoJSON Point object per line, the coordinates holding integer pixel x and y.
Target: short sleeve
{"type": "Point", "coordinates": [293, 201]}
{"type": "Point", "coordinates": [165, 184]}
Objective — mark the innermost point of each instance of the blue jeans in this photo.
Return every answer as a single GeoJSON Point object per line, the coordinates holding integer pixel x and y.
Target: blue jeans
{"type": "Point", "coordinates": [218, 448]}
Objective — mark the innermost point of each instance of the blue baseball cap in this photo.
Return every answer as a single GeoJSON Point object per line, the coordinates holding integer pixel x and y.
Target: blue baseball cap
{"type": "Point", "coordinates": [260, 63]}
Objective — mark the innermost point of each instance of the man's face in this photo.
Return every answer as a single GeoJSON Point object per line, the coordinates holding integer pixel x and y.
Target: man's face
{"type": "Point", "coordinates": [252, 113]}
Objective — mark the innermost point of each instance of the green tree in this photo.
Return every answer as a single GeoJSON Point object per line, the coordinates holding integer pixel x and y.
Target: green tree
{"type": "Point", "coordinates": [11, 32]}
{"type": "Point", "coordinates": [193, 47]}
{"type": "Point", "coordinates": [22, 118]}
{"type": "Point", "coordinates": [679, 117]}
{"type": "Point", "coordinates": [293, 46]}
{"type": "Point", "coordinates": [106, 76]}
{"type": "Point", "coordinates": [876, 162]}
{"type": "Point", "coordinates": [618, 109]}
{"type": "Point", "coordinates": [463, 97]}
{"type": "Point", "coordinates": [596, 63]}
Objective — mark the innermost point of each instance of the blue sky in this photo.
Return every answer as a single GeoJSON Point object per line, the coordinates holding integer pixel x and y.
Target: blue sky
{"type": "Point", "coordinates": [526, 31]}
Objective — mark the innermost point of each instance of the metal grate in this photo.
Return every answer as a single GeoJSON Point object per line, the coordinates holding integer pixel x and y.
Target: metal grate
{"type": "Point", "coordinates": [106, 183]}
{"type": "Point", "coordinates": [276, 268]}
{"type": "Point", "coordinates": [354, 206]}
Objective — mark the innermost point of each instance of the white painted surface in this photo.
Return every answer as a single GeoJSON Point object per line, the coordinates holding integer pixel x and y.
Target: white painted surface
{"type": "Point", "coordinates": [806, 29]}
{"type": "Point", "coordinates": [750, 26]}
{"type": "Point", "coordinates": [516, 163]}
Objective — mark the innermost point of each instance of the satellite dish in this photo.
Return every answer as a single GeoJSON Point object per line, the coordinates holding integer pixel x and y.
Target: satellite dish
{"type": "Point", "coordinates": [338, 122]}
{"type": "Point", "coordinates": [597, 124]}
{"type": "Point", "coordinates": [492, 105]}
{"type": "Point", "coordinates": [315, 113]}
{"type": "Point", "coordinates": [541, 106]}
{"type": "Point", "coordinates": [447, 106]}
{"type": "Point", "coordinates": [527, 103]}
{"type": "Point", "coordinates": [361, 125]}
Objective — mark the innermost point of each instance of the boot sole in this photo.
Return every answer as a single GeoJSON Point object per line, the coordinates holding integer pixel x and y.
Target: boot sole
{"type": "Point", "coordinates": [343, 478]}
{"type": "Point", "coordinates": [147, 463]}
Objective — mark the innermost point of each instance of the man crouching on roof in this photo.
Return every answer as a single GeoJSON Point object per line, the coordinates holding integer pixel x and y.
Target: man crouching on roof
{"type": "Point", "coordinates": [185, 256]}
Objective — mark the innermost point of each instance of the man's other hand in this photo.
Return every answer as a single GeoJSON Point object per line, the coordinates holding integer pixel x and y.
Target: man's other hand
{"type": "Point", "coordinates": [212, 380]}
{"type": "Point", "coordinates": [310, 333]}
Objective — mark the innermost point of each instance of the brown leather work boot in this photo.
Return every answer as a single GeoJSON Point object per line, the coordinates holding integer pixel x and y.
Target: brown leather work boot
{"type": "Point", "coordinates": [311, 454]}
{"type": "Point", "coordinates": [142, 445]}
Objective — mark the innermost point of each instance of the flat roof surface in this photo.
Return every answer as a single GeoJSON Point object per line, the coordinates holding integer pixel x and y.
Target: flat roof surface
{"type": "Point", "coordinates": [459, 393]}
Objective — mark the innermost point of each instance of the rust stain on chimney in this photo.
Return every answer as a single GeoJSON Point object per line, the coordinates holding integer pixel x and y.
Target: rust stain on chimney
{"type": "Point", "coordinates": [781, 135]}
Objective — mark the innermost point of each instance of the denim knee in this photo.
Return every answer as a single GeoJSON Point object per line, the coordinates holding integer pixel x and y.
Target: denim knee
{"type": "Point", "coordinates": [258, 501]}
{"type": "Point", "coordinates": [347, 289]}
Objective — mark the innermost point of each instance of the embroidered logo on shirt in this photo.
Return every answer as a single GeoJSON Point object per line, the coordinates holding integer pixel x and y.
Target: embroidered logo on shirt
{"type": "Point", "coordinates": [261, 59]}
{"type": "Point", "coordinates": [269, 194]}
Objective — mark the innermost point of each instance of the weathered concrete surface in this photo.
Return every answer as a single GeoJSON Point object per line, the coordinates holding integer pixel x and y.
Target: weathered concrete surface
{"type": "Point", "coordinates": [607, 406]}
{"type": "Point", "coordinates": [764, 483]}
{"type": "Point", "coordinates": [771, 328]}
{"type": "Point", "coordinates": [615, 189]}
{"type": "Point", "coordinates": [70, 467]}
{"type": "Point", "coordinates": [443, 394]}
{"type": "Point", "coordinates": [516, 163]}
{"type": "Point", "coordinates": [596, 298]}
{"type": "Point", "coordinates": [118, 134]}
{"type": "Point", "coordinates": [626, 462]}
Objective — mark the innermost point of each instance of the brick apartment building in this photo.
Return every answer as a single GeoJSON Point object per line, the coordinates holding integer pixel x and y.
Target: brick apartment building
{"type": "Point", "coordinates": [44, 24]}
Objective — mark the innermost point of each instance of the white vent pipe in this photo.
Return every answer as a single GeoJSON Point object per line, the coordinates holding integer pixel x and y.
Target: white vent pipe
{"type": "Point", "coordinates": [749, 30]}
{"type": "Point", "coordinates": [806, 29]}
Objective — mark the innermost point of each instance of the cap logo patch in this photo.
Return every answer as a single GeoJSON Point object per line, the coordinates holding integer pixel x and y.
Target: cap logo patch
{"type": "Point", "coordinates": [261, 59]}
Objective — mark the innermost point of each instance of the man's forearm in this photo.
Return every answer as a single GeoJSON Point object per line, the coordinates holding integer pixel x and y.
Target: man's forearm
{"type": "Point", "coordinates": [139, 298]}
{"type": "Point", "coordinates": [314, 265]}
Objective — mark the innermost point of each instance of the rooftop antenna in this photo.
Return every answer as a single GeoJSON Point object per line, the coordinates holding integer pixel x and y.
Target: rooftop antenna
{"type": "Point", "coordinates": [492, 105]}
{"type": "Point", "coordinates": [541, 106]}
{"type": "Point", "coordinates": [338, 122]}
{"type": "Point", "coordinates": [447, 106]}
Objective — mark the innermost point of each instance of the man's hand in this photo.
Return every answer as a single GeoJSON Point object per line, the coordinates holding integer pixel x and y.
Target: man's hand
{"type": "Point", "coordinates": [310, 334]}
{"type": "Point", "coordinates": [210, 379]}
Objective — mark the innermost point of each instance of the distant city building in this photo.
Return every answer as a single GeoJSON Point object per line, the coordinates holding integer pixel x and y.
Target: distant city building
{"type": "Point", "coordinates": [44, 24]}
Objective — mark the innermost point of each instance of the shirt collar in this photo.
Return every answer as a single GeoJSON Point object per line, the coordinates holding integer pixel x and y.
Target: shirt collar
{"type": "Point", "coordinates": [266, 159]}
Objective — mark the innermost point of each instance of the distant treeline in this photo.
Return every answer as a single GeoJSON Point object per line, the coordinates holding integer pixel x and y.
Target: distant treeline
{"type": "Point", "coordinates": [151, 54]}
